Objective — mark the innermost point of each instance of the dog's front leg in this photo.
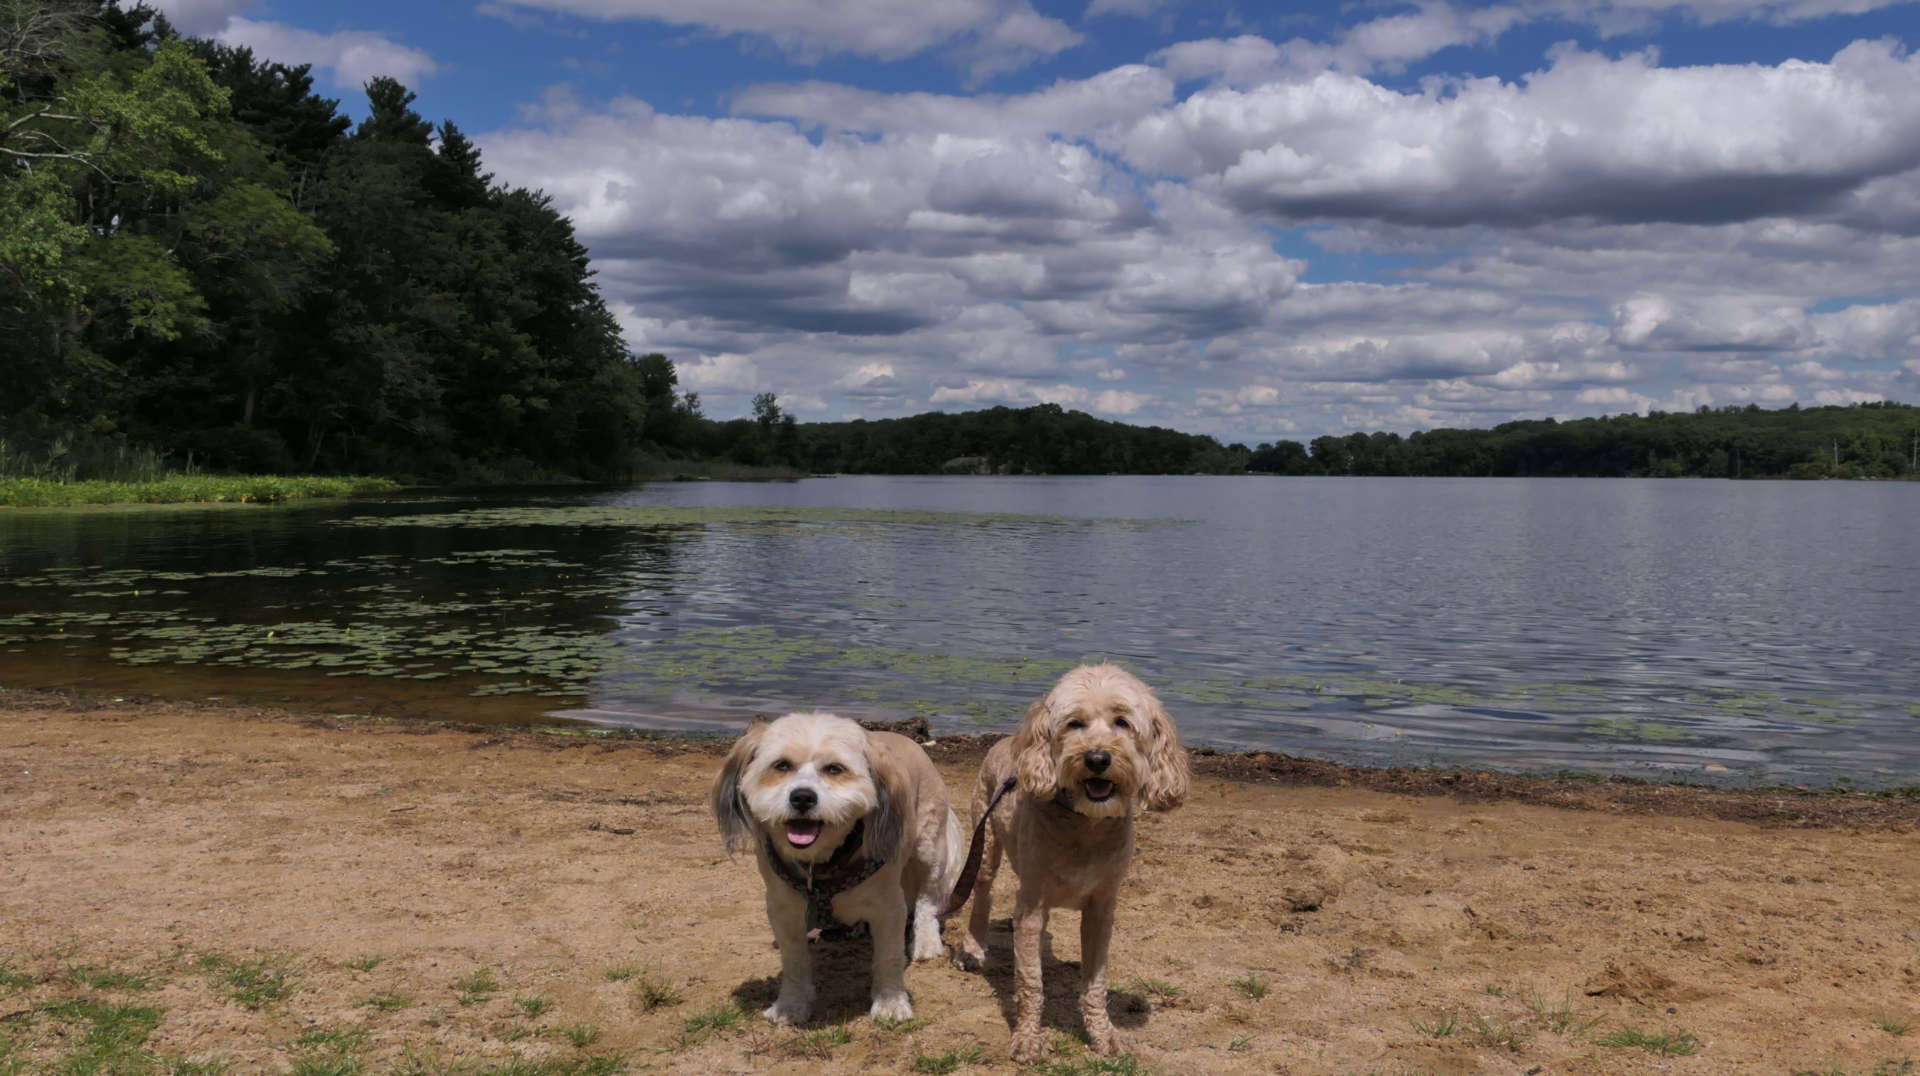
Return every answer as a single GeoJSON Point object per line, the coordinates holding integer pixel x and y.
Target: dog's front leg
{"type": "Point", "coordinates": [1029, 993]}
{"type": "Point", "coordinates": [788, 914]}
{"type": "Point", "coordinates": [1096, 933]}
{"type": "Point", "coordinates": [888, 925]}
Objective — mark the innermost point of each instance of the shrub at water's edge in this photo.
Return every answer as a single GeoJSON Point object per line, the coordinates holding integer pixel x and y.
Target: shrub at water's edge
{"type": "Point", "coordinates": [187, 489]}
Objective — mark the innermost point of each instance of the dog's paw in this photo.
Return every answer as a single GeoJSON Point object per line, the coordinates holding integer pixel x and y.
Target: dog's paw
{"type": "Point", "coordinates": [1106, 1042]}
{"type": "Point", "coordinates": [968, 955]}
{"type": "Point", "coordinates": [788, 1012]}
{"type": "Point", "coordinates": [926, 948]}
{"type": "Point", "coordinates": [892, 1006]}
{"type": "Point", "coordinates": [1028, 1047]}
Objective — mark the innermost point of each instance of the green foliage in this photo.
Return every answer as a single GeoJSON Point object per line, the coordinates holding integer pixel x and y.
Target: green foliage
{"type": "Point", "coordinates": [1858, 441]}
{"type": "Point", "coordinates": [185, 489]}
{"type": "Point", "coordinates": [1045, 439]}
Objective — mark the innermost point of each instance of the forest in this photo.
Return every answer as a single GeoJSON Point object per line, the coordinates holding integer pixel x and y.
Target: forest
{"type": "Point", "coordinates": [1867, 440]}
{"type": "Point", "coordinates": [203, 261]}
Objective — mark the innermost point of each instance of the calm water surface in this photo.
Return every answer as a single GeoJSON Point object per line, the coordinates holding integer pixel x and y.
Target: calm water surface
{"type": "Point", "coordinates": [1728, 631]}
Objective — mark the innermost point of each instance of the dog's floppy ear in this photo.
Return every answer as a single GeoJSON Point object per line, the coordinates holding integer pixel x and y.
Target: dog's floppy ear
{"type": "Point", "coordinates": [1167, 774]}
{"type": "Point", "coordinates": [1033, 753]}
{"type": "Point", "coordinates": [892, 801]}
{"type": "Point", "coordinates": [729, 809]}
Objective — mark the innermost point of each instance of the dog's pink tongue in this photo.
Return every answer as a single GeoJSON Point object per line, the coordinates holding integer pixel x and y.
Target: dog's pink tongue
{"type": "Point", "coordinates": [802, 832]}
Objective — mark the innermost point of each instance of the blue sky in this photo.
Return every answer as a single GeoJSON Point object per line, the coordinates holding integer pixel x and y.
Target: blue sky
{"type": "Point", "coordinates": [1222, 217]}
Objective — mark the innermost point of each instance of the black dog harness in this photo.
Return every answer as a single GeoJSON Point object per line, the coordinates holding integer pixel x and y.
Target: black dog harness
{"type": "Point", "coordinates": [824, 881]}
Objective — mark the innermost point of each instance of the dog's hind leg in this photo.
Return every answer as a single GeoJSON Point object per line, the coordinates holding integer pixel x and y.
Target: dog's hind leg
{"type": "Point", "coordinates": [971, 953]}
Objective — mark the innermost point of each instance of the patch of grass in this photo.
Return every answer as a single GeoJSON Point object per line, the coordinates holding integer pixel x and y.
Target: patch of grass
{"type": "Point", "coordinates": [580, 1035]}
{"type": "Point", "coordinates": [384, 1002]}
{"type": "Point", "coordinates": [1501, 1034]}
{"type": "Point", "coordinates": [416, 1064]}
{"type": "Point", "coordinates": [1252, 987]}
{"type": "Point", "coordinates": [701, 1025]}
{"type": "Point", "coordinates": [512, 1032]}
{"type": "Point", "coordinates": [533, 1006]}
{"type": "Point", "coordinates": [365, 963]}
{"type": "Point", "coordinates": [114, 1035]}
{"type": "Point", "coordinates": [1438, 1029]}
{"type": "Point", "coordinates": [327, 1052]}
{"type": "Point", "coordinates": [1893, 1025]}
{"type": "Point", "coordinates": [901, 1026]}
{"type": "Point", "coordinates": [1122, 1065]}
{"type": "Point", "coordinates": [818, 1044]}
{"type": "Point", "coordinates": [1144, 986]}
{"type": "Point", "coordinates": [1241, 1044]}
{"type": "Point", "coordinates": [657, 992]}
{"type": "Point", "coordinates": [1670, 1042]}
{"type": "Point", "coordinates": [476, 988]}
{"type": "Point", "coordinates": [102, 978]}
{"type": "Point", "coordinates": [255, 982]}
{"type": "Point", "coordinates": [622, 973]}
{"type": "Point", "coordinates": [186, 489]}
{"type": "Point", "coordinates": [13, 978]}
{"type": "Point", "coordinates": [1560, 1018]}
{"type": "Point", "coordinates": [941, 1064]}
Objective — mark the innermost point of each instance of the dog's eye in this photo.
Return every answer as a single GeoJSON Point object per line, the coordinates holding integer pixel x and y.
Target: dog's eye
{"type": "Point", "coordinates": [834, 769]}
{"type": "Point", "coordinates": [1076, 723]}
{"type": "Point", "coordinates": [783, 765]}
{"type": "Point", "coordinates": [1121, 723]}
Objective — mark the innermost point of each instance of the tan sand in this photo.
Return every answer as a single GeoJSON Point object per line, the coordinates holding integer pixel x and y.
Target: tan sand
{"type": "Point", "coordinates": [1392, 933]}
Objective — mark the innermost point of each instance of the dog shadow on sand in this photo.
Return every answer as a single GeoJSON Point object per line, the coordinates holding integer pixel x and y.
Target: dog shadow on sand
{"type": "Point", "coordinates": [843, 979]}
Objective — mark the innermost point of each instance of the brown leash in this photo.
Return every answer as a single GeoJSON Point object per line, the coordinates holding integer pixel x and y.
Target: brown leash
{"type": "Point", "coordinates": [963, 888]}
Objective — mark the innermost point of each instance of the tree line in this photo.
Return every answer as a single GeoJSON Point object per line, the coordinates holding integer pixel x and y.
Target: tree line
{"type": "Point", "coordinates": [1868, 440]}
{"type": "Point", "coordinates": [200, 254]}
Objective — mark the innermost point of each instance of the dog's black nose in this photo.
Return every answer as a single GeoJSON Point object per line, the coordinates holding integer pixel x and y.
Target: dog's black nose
{"type": "Point", "coordinates": [1098, 761]}
{"type": "Point", "coordinates": [803, 799]}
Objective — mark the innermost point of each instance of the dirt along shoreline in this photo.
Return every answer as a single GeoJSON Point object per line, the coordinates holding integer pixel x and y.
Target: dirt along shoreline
{"type": "Point", "coordinates": [202, 888]}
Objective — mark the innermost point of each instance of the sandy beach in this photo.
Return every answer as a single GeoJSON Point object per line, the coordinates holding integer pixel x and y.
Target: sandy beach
{"type": "Point", "coordinates": [199, 888]}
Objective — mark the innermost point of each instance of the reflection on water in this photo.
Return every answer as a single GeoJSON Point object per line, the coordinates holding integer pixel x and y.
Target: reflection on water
{"type": "Point", "coordinates": [1738, 631]}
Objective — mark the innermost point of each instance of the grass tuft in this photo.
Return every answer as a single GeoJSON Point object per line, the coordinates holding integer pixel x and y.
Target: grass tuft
{"type": "Point", "coordinates": [817, 1044]}
{"type": "Point", "coordinates": [657, 992]}
{"type": "Point", "coordinates": [1252, 987]}
{"type": "Point", "coordinates": [941, 1064]}
{"type": "Point", "coordinates": [1670, 1042]}
{"type": "Point", "coordinates": [476, 988]}
{"type": "Point", "coordinates": [100, 978]}
{"type": "Point", "coordinates": [254, 982]}
{"type": "Point", "coordinates": [533, 1006]}
{"type": "Point", "coordinates": [701, 1025]}
{"type": "Point", "coordinates": [384, 1002]}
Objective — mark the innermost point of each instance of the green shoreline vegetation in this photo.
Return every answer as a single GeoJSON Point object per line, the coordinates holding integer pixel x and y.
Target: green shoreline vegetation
{"type": "Point", "coordinates": [188, 489]}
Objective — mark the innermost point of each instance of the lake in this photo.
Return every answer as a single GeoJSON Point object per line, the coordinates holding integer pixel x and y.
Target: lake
{"type": "Point", "coordinates": [1734, 632]}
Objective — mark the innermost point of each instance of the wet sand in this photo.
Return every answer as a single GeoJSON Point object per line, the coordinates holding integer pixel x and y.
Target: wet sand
{"type": "Point", "coordinates": [1293, 917]}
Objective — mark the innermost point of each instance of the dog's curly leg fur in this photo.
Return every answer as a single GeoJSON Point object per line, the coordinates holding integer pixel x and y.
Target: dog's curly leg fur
{"type": "Point", "coordinates": [1029, 993]}
{"type": "Point", "coordinates": [1096, 931]}
{"type": "Point", "coordinates": [788, 915]}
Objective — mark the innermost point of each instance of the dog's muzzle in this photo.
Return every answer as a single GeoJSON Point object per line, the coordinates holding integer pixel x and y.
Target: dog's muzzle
{"type": "Point", "coordinates": [802, 832]}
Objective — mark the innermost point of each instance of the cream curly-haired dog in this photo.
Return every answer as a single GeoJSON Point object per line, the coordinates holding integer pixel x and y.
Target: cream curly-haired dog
{"type": "Point", "coordinates": [848, 826]}
{"type": "Point", "coordinates": [1097, 748]}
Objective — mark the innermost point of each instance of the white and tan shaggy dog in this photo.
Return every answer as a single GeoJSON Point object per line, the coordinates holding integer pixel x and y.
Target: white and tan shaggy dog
{"type": "Point", "coordinates": [1097, 749]}
{"type": "Point", "coordinates": [848, 826]}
